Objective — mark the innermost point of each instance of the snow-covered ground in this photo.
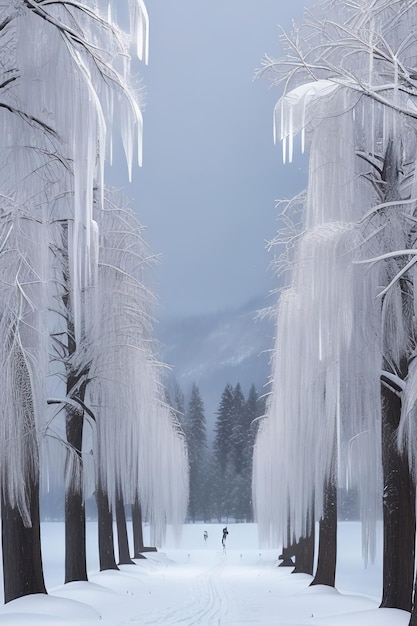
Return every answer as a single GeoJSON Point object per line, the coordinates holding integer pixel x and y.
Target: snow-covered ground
{"type": "Point", "coordinates": [194, 583]}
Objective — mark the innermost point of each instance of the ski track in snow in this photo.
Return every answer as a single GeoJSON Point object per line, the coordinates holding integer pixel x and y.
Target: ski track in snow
{"type": "Point", "coordinates": [208, 602]}
{"type": "Point", "coordinates": [189, 582]}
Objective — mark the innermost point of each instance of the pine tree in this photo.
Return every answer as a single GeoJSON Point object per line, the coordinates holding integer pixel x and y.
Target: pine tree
{"type": "Point", "coordinates": [254, 408]}
{"type": "Point", "coordinates": [224, 456]}
{"type": "Point", "coordinates": [239, 428]}
{"type": "Point", "coordinates": [244, 414]}
{"type": "Point", "coordinates": [197, 446]}
{"type": "Point", "coordinates": [223, 442]}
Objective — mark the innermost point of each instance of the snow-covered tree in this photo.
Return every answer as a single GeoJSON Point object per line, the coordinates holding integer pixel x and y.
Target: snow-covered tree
{"type": "Point", "coordinates": [223, 442]}
{"type": "Point", "coordinates": [239, 428]}
{"type": "Point", "coordinates": [197, 453]}
{"type": "Point", "coordinates": [252, 410]}
{"type": "Point", "coordinates": [70, 364]}
{"type": "Point", "coordinates": [349, 89]}
{"type": "Point", "coordinates": [138, 447]}
{"type": "Point", "coordinates": [54, 141]}
{"type": "Point", "coordinates": [23, 335]}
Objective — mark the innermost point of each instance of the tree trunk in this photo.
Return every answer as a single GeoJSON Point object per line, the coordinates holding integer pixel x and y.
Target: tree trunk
{"type": "Point", "coordinates": [105, 530]}
{"type": "Point", "coordinates": [287, 550]}
{"type": "Point", "coordinates": [22, 559]}
{"type": "Point", "coordinates": [286, 557]}
{"type": "Point", "coordinates": [123, 542]}
{"type": "Point", "coordinates": [137, 530]}
{"type": "Point", "coordinates": [398, 512]}
{"type": "Point", "coordinates": [304, 554]}
{"type": "Point", "coordinates": [75, 531]}
{"type": "Point", "coordinates": [75, 541]}
{"type": "Point", "coordinates": [327, 554]}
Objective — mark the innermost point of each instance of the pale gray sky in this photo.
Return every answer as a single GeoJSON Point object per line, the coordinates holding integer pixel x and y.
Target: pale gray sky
{"type": "Point", "coordinates": [211, 174]}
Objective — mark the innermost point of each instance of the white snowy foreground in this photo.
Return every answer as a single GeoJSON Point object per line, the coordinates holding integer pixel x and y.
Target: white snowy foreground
{"type": "Point", "coordinates": [194, 583]}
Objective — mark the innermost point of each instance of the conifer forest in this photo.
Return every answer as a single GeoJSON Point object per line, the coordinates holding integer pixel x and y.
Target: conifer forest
{"type": "Point", "coordinates": [220, 475]}
{"type": "Point", "coordinates": [85, 410]}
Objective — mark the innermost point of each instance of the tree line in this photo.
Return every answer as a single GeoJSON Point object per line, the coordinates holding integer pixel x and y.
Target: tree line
{"type": "Point", "coordinates": [342, 410]}
{"type": "Point", "coordinates": [82, 407]}
{"type": "Point", "coordinates": [220, 478]}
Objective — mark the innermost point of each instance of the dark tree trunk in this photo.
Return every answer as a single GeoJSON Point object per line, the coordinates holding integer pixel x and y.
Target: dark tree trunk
{"type": "Point", "coordinates": [105, 530]}
{"type": "Point", "coordinates": [22, 559]}
{"type": "Point", "coordinates": [399, 491]}
{"type": "Point", "coordinates": [75, 541]}
{"type": "Point", "coordinates": [75, 531]}
{"type": "Point", "coordinates": [327, 553]}
{"type": "Point", "coordinates": [398, 512]}
{"type": "Point", "coordinates": [123, 542]}
{"type": "Point", "coordinates": [286, 557]}
{"type": "Point", "coordinates": [304, 554]}
{"type": "Point", "coordinates": [138, 546]}
{"type": "Point", "coordinates": [287, 550]}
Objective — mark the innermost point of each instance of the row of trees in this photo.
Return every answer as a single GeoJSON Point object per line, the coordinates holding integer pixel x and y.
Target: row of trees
{"type": "Point", "coordinates": [220, 486]}
{"type": "Point", "coordinates": [82, 403]}
{"type": "Point", "coordinates": [343, 403]}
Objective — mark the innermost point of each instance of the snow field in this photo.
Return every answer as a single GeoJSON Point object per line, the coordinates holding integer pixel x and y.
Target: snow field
{"type": "Point", "coordinates": [193, 583]}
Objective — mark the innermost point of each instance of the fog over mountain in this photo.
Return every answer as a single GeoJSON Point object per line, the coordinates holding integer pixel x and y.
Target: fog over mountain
{"type": "Point", "coordinates": [212, 350]}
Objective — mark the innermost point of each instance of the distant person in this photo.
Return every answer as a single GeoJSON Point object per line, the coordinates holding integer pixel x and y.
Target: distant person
{"type": "Point", "coordinates": [205, 535]}
{"type": "Point", "coordinates": [225, 533]}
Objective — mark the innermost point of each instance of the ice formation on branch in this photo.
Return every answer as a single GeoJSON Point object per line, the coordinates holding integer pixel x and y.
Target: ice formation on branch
{"type": "Point", "coordinates": [72, 77]}
{"type": "Point", "coordinates": [294, 111]}
{"type": "Point", "coordinates": [139, 22]}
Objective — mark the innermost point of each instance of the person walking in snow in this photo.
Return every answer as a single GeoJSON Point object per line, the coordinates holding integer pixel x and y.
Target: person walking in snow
{"type": "Point", "coordinates": [225, 533]}
{"type": "Point", "coordinates": [205, 535]}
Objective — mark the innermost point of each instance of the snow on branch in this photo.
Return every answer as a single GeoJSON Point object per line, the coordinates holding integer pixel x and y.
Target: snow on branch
{"type": "Point", "coordinates": [368, 56]}
{"type": "Point", "coordinates": [294, 110]}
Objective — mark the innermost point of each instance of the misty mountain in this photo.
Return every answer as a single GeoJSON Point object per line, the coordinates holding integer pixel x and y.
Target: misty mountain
{"type": "Point", "coordinates": [212, 350]}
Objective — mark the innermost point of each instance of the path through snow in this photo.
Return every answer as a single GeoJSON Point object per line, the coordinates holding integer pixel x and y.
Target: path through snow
{"type": "Point", "coordinates": [197, 584]}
